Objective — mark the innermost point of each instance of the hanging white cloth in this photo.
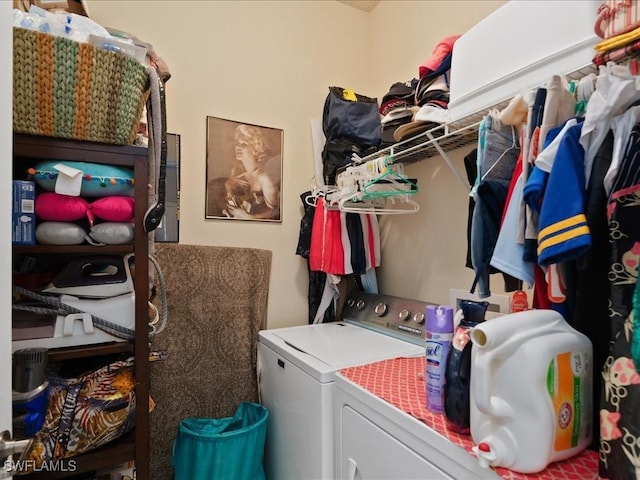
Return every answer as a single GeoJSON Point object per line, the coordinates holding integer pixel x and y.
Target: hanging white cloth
{"type": "Point", "coordinates": [330, 296]}
{"type": "Point", "coordinates": [621, 126]}
{"type": "Point", "coordinates": [616, 90]}
{"type": "Point", "coordinates": [545, 159]}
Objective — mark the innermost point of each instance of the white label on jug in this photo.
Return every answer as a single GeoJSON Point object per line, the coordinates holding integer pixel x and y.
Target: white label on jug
{"type": "Point", "coordinates": [568, 385]}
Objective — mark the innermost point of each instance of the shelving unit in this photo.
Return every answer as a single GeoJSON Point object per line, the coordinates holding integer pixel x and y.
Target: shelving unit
{"type": "Point", "coordinates": [28, 149]}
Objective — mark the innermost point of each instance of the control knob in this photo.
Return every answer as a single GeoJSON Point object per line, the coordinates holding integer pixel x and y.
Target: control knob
{"type": "Point", "coordinates": [360, 304]}
{"type": "Point", "coordinates": [351, 302]}
{"type": "Point", "coordinates": [418, 318]}
{"type": "Point", "coordinates": [380, 309]}
{"type": "Point", "coordinates": [404, 315]}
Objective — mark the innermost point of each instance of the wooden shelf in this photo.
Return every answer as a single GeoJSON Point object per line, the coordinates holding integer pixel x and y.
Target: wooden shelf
{"type": "Point", "coordinates": [68, 353]}
{"type": "Point", "coordinates": [114, 453]}
{"type": "Point", "coordinates": [75, 249]}
{"type": "Point", "coordinates": [29, 149]}
{"type": "Point", "coordinates": [51, 148]}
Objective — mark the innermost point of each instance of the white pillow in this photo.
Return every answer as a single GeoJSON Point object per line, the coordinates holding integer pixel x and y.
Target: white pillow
{"type": "Point", "coordinates": [112, 233]}
{"type": "Point", "coordinates": [60, 233]}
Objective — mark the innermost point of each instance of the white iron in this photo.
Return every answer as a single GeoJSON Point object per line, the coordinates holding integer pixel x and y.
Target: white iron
{"type": "Point", "coordinates": [96, 276]}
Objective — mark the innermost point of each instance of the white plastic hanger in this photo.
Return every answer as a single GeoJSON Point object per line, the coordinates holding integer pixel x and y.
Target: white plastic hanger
{"type": "Point", "coordinates": [357, 203]}
{"type": "Point", "coordinates": [371, 186]}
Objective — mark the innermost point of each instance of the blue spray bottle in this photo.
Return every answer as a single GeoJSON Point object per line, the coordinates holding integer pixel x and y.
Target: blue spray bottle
{"type": "Point", "coordinates": [438, 335]}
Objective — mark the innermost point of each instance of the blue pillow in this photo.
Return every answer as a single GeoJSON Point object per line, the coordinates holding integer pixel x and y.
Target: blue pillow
{"type": "Point", "coordinates": [98, 180]}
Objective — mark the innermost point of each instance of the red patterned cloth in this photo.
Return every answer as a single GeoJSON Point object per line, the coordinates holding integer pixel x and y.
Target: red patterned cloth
{"type": "Point", "coordinates": [617, 54]}
{"type": "Point", "coordinates": [400, 381]}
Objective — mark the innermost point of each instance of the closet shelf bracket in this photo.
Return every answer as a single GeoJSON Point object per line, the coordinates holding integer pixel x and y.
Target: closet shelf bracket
{"type": "Point", "coordinates": [449, 162]}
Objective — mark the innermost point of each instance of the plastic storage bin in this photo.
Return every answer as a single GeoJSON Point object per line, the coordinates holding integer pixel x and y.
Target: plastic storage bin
{"type": "Point", "coordinates": [229, 448]}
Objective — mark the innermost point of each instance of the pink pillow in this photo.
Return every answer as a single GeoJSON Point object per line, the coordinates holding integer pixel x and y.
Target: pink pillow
{"type": "Point", "coordinates": [115, 208]}
{"type": "Point", "coordinates": [55, 207]}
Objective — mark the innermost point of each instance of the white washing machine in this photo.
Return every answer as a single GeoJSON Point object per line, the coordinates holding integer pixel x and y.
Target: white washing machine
{"type": "Point", "coordinates": [297, 369]}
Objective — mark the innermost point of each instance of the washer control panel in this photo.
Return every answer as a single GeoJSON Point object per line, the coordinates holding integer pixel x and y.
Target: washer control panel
{"type": "Point", "coordinates": [395, 316]}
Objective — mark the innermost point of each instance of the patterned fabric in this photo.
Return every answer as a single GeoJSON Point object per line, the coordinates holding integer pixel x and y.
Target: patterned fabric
{"type": "Point", "coordinates": [217, 303]}
{"type": "Point", "coordinates": [85, 412]}
{"type": "Point", "coordinates": [635, 343]}
{"type": "Point", "coordinates": [400, 382]}
{"type": "Point", "coordinates": [617, 54]}
{"type": "Point", "coordinates": [619, 419]}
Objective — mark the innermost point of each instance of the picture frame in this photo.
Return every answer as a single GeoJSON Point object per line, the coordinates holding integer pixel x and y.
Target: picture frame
{"type": "Point", "coordinates": [243, 171]}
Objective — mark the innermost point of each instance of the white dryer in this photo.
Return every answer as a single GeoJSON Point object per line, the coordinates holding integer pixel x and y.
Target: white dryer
{"type": "Point", "coordinates": [297, 368]}
{"type": "Point", "coordinates": [376, 440]}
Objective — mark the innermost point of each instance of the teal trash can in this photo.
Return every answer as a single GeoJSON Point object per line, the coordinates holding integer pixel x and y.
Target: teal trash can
{"type": "Point", "coordinates": [229, 448]}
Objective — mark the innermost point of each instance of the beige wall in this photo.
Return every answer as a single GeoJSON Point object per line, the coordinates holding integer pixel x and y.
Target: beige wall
{"type": "Point", "coordinates": [270, 63]}
{"type": "Point", "coordinates": [424, 253]}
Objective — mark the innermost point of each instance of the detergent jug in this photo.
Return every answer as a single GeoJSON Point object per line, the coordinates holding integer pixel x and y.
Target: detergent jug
{"type": "Point", "coordinates": [530, 390]}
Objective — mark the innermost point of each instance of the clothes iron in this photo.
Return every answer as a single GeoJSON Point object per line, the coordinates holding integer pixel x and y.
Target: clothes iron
{"type": "Point", "coordinates": [96, 276]}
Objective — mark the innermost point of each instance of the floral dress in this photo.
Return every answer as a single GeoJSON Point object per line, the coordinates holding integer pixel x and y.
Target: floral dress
{"type": "Point", "coordinates": [620, 401]}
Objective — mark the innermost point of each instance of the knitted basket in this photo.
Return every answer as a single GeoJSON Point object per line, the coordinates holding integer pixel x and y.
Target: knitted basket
{"type": "Point", "coordinates": [63, 88]}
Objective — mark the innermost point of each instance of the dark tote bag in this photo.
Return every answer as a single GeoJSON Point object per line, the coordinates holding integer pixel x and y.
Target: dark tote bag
{"type": "Point", "coordinates": [353, 116]}
{"type": "Point", "coordinates": [337, 153]}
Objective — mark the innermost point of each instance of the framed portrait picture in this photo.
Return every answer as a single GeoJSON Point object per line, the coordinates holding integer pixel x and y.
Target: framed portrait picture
{"type": "Point", "coordinates": [244, 171]}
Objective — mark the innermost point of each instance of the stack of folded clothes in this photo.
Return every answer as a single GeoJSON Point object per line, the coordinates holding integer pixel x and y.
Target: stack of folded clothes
{"type": "Point", "coordinates": [619, 48]}
{"type": "Point", "coordinates": [397, 109]}
{"type": "Point", "coordinates": [414, 107]}
{"type": "Point", "coordinates": [432, 92]}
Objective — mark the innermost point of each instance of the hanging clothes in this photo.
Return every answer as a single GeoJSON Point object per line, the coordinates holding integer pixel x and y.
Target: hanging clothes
{"type": "Point", "coordinates": [616, 90]}
{"type": "Point", "coordinates": [619, 418]}
{"type": "Point", "coordinates": [500, 152]}
{"type": "Point", "coordinates": [621, 126]}
{"type": "Point", "coordinates": [559, 106]}
{"type": "Point", "coordinates": [319, 311]}
{"type": "Point", "coordinates": [528, 235]}
{"type": "Point", "coordinates": [357, 245]}
{"type": "Point", "coordinates": [587, 277]}
{"type": "Point", "coordinates": [564, 233]}
{"type": "Point", "coordinates": [335, 244]}
{"type": "Point", "coordinates": [508, 255]}
{"type": "Point", "coordinates": [326, 253]}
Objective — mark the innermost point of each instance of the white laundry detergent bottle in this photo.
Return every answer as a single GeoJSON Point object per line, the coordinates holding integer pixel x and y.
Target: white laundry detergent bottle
{"type": "Point", "coordinates": [531, 383]}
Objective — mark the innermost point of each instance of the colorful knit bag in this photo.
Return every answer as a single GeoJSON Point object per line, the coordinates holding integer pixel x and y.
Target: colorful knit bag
{"type": "Point", "coordinates": [63, 88]}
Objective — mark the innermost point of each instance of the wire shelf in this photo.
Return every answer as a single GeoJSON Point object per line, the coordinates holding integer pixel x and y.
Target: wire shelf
{"type": "Point", "coordinates": [451, 136]}
{"type": "Point", "coordinates": [427, 144]}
